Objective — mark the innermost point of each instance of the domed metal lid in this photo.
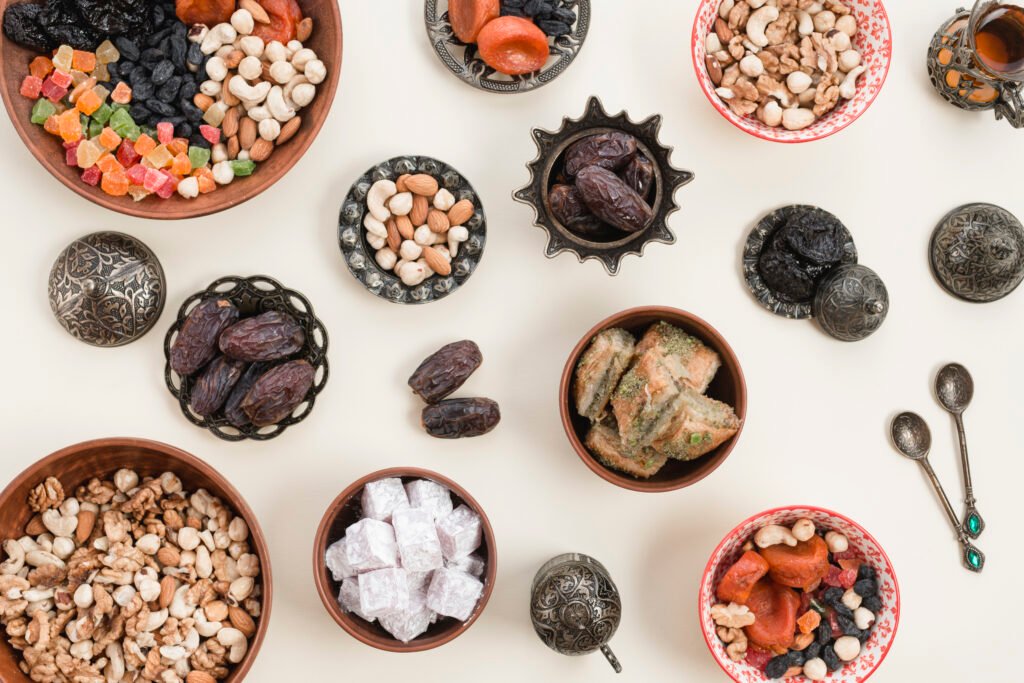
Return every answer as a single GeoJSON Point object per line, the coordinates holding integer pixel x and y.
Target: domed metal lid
{"type": "Point", "coordinates": [977, 252]}
{"type": "Point", "coordinates": [575, 606]}
{"type": "Point", "coordinates": [851, 303]}
{"type": "Point", "coordinates": [107, 289]}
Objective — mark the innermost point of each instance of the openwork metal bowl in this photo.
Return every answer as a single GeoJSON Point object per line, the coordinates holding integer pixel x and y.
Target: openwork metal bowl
{"type": "Point", "coordinates": [359, 255]}
{"type": "Point", "coordinates": [463, 61]}
{"type": "Point", "coordinates": [252, 295]}
{"type": "Point", "coordinates": [551, 147]}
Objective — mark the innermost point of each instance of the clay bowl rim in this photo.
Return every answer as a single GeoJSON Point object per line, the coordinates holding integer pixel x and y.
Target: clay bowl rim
{"type": "Point", "coordinates": [708, 463]}
{"type": "Point", "coordinates": [162, 452]}
{"type": "Point", "coordinates": [35, 139]}
{"type": "Point", "coordinates": [708, 574]}
{"type": "Point", "coordinates": [354, 625]}
{"type": "Point", "coordinates": [782, 135]}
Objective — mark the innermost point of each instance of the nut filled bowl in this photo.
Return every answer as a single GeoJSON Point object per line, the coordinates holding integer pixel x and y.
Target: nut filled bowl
{"type": "Point", "coordinates": [858, 596]}
{"type": "Point", "coordinates": [472, 563]}
{"type": "Point", "coordinates": [787, 76]}
{"type": "Point", "coordinates": [116, 470]}
{"type": "Point", "coordinates": [653, 350]}
{"type": "Point", "coordinates": [180, 101]}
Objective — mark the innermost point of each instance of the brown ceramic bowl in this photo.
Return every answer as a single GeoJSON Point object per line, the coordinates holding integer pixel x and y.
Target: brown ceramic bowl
{"type": "Point", "coordinates": [346, 510]}
{"type": "Point", "coordinates": [77, 464]}
{"type": "Point", "coordinates": [326, 41]}
{"type": "Point", "coordinates": [728, 386]}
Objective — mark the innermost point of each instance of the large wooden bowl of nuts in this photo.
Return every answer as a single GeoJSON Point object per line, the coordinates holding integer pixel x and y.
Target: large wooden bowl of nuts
{"type": "Point", "coordinates": [787, 75]}
{"type": "Point", "coordinates": [116, 530]}
{"type": "Point", "coordinates": [196, 186]}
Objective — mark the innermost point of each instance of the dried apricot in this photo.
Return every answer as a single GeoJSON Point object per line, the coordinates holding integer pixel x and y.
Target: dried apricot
{"type": "Point", "coordinates": [209, 12]}
{"type": "Point", "coordinates": [774, 609]}
{"type": "Point", "coordinates": [468, 17]}
{"type": "Point", "coordinates": [800, 565]}
{"type": "Point", "coordinates": [513, 46]}
{"type": "Point", "coordinates": [737, 583]}
{"type": "Point", "coordinates": [285, 16]}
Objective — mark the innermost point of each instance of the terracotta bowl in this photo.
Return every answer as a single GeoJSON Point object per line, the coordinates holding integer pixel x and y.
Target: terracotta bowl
{"type": "Point", "coordinates": [74, 465]}
{"type": "Point", "coordinates": [346, 510]}
{"type": "Point", "coordinates": [728, 551]}
{"type": "Point", "coordinates": [873, 40]}
{"type": "Point", "coordinates": [728, 386]}
{"type": "Point", "coordinates": [326, 41]}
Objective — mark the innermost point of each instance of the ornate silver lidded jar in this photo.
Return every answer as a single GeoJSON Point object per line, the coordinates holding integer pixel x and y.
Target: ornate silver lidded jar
{"type": "Point", "coordinates": [575, 606]}
{"type": "Point", "coordinates": [977, 252]}
{"type": "Point", "coordinates": [851, 303]}
{"type": "Point", "coordinates": [107, 289]}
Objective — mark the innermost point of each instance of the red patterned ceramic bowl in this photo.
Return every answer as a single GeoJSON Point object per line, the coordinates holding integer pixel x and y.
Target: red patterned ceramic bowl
{"type": "Point", "coordinates": [728, 551]}
{"type": "Point", "coordinates": [873, 40]}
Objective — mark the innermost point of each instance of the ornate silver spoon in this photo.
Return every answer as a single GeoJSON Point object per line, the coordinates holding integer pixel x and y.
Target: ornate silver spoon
{"type": "Point", "coordinates": [955, 388]}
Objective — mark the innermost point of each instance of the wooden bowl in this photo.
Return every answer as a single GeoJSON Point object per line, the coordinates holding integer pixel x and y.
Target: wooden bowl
{"type": "Point", "coordinates": [346, 510]}
{"type": "Point", "coordinates": [77, 464]}
{"type": "Point", "coordinates": [728, 386]}
{"type": "Point", "coordinates": [326, 41]}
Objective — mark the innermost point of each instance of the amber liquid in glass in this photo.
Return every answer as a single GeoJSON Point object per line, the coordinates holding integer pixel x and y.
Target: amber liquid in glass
{"type": "Point", "coordinates": [999, 40]}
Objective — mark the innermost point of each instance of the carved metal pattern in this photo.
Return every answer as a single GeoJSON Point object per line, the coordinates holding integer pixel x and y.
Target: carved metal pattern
{"type": "Point", "coordinates": [977, 252]}
{"type": "Point", "coordinates": [462, 59]}
{"type": "Point", "coordinates": [252, 295]}
{"type": "Point", "coordinates": [107, 289]}
{"type": "Point", "coordinates": [759, 239]}
{"type": "Point", "coordinates": [851, 303]}
{"type": "Point", "coordinates": [575, 606]}
{"type": "Point", "coordinates": [550, 149]}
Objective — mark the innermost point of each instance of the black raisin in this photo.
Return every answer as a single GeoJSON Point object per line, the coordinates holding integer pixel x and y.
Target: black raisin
{"type": "Point", "coordinates": [847, 625]}
{"type": "Point", "coordinates": [777, 667]}
{"type": "Point", "coordinates": [143, 91]}
{"type": "Point", "coordinates": [796, 658]}
{"type": "Point", "coordinates": [824, 633]}
{"type": "Point", "coordinates": [833, 595]}
{"type": "Point", "coordinates": [866, 587]}
{"type": "Point", "coordinates": [813, 650]}
{"type": "Point", "coordinates": [832, 661]}
{"type": "Point", "coordinates": [554, 28]}
{"type": "Point", "coordinates": [162, 72]}
{"type": "Point", "coordinates": [194, 56]}
{"type": "Point", "coordinates": [178, 49]}
{"type": "Point", "coordinates": [160, 108]}
{"type": "Point", "coordinates": [140, 112]}
{"type": "Point", "coordinates": [128, 48]}
{"type": "Point", "coordinates": [872, 603]}
{"type": "Point", "coordinates": [865, 571]}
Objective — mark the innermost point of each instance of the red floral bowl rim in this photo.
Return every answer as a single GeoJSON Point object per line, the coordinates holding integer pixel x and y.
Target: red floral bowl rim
{"type": "Point", "coordinates": [788, 508]}
{"type": "Point", "coordinates": [720, 108]}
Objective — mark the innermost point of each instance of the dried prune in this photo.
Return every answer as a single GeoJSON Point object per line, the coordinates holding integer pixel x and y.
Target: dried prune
{"type": "Point", "coordinates": [196, 344]}
{"type": "Point", "coordinates": [270, 336]}
{"type": "Point", "coordinates": [214, 385]}
{"type": "Point", "coordinates": [456, 418]}
{"type": "Point", "coordinates": [278, 392]}
{"type": "Point", "coordinates": [233, 407]}
{"type": "Point", "coordinates": [114, 17]}
{"type": "Point", "coordinates": [785, 276]}
{"type": "Point", "coordinates": [568, 207]}
{"type": "Point", "coordinates": [446, 370]}
{"type": "Point", "coordinates": [22, 26]}
{"type": "Point", "coordinates": [639, 175]}
{"type": "Point", "coordinates": [814, 236]}
{"type": "Point", "coordinates": [610, 199]}
{"type": "Point", "coordinates": [611, 150]}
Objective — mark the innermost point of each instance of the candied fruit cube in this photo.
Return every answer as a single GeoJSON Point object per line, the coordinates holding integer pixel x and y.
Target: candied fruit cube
{"type": "Point", "coordinates": [31, 87]}
{"type": "Point", "coordinates": [70, 125]}
{"type": "Point", "coordinates": [109, 138]}
{"type": "Point", "coordinates": [108, 163]}
{"type": "Point", "coordinates": [211, 134]}
{"type": "Point", "coordinates": [198, 156]}
{"type": "Point", "coordinates": [91, 176]}
{"type": "Point", "coordinates": [178, 146]}
{"type": "Point", "coordinates": [136, 174]}
{"type": "Point", "coordinates": [168, 189]}
{"type": "Point", "coordinates": [127, 154]}
{"type": "Point", "coordinates": [120, 119]}
{"type": "Point", "coordinates": [154, 179]}
{"type": "Point", "coordinates": [62, 78]}
{"type": "Point", "coordinates": [51, 91]}
{"type": "Point", "coordinates": [180, 165]}
{"type": "Point", "coordinates": [115, 184]}
{"type": "Point", "coordinates": [87, 153]}
{"type": "Point", "coordinates": [122, 93]}
{"type": "Point", "coordinates": [40, 67]}
{"type": "Point", "coordinates": [138, 193]}
{"type": "Point", "coordinates": [206, 182]}
{"type": "Point", "coordinates": [77, 77]}
{"type": "Point", "coordinates": [215, 114]}
{"type": "Point", "coordinates": [159, 157]}
{"type": "Point", "coordinates": [95, 128]}
{"type": "Point", "coordinates": [107, 53]}
{"type": "Point", "coordinates": [102, 92]}
{"type": "Point", "coordinates": [71, 154]}
{"type": "Point", "coordinates": [52, 125]}
{"type": "Point", "coordinates": [165, 132]}
{"type": "Point", "coordinates": [42, 110]}
{"type": "Point", "coordinates": [88, 102]}
{"type": "Point", "coordinates": [64, 57]}
{"type": "Point", "coordinates": [102, 115]}
{"type": "Point", "coordinates": [242, 168]}
{"type": "Point", "coordinates": [101, 72]}
{"type": "Point", "coordinates": [82, 60]}
{"type": "Point", "coordinates": [81, 88]}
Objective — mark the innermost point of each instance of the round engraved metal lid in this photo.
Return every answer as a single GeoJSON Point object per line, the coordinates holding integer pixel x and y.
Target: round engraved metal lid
{"type": "Point", "coordinates": [851, 303]}
{"type": "Point", "coordinates": [575, 606]}
{"type": "Point", "coordinates": [107, 289]}
{"type": "Point", "coordinates": [977, 252]}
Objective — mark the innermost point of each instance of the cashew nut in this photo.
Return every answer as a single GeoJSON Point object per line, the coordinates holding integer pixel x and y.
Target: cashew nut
{"type": "Point", "coordinates": [42, 558]}
{"type": "Point", "coordinates": [282, 72]}
{"type": "Point", "coordinates": [15, 558]}
{"type": "Point", "coordinates": [803, 530]}
{"type": "Point", "coordinates": [751, 66]}
{"type": "Point", "coordinates": [63, 546]}
{"type": "Point", "coordinates": [837, 542]}
{"type": "Point", "coordinates": [849, 60]}
{"type": "Point", "coordinates": [250, 93]}
{"type": "Point", "coordinates": [292, 84]}
{"type": "Point", "coordinates": [771, 113]}
{"type": "Point", "coordinates": [410, 251]}
{"type": "Point", "coordinates": [773, 534]}
{"type": "Point", "coordinates": [758, 24]}
{"type": "Point", "coordinates": [250, 68]}
{"type": "Point", "coordinates": [251, 46]}
{"type": "Point", "coordinates": [315, 71]}
{"type": "Point", "coordinates": [211, 88]}
{"type": "Point", "coordinates": [243, 22]}
{"type": "Point", "coordinates": [275, 51]}
{"type": "Point", "coordinates": [380, 192]}
{"type": "Point", "coordinates": [259, 114]}
{"type": "Point", "coordinates": [303, 94]}
{"type": "Point", "coordinates": [725, 93]}
{"type": "Point", "coordinates": [216, 69]}
{"type": "Point", "coordinates": [444, 200]}
{"type": "Point", "coordinates": [206, 628]}
{"type": "Point", "coordinates": [798, 82]}
{"type": "Point", "coordinates": [386, 259]}
{"type": "Point", "coordinates": [713, 44]}
{"type": "Point", "coordinates": [725, 8]}
{"type": "Point", "coordinates": [269, 129]}
{"type": "Point", "coordinates": [276, 104]}
{"type": "Point", "coordinates": [848, 88]}
{"type": "Point", "coordinates": [302, 57]}
{"type": "Point", "coordinates": [805, 25]}
{"type": "Point", "coordinates": [241, 588]}
{"type": "Point", "coordinates": [797, 119]}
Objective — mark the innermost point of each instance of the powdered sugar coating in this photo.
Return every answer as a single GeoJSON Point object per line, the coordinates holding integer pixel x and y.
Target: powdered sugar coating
{"type": "Point", "coordinates": [412, 621]}
{"type": "Point", "coordinates": [383, 592]}
{"type": "Point", "coordinates": [431, 496]}
{"type": "Point", "coordinates": [454, 593]}
{"type": "Point", "coordinates": [348, 598]}
{"type": "Point", "coordinates": [418, 544]}
{"type": "Point", "coordinates": [337, 561]}
{"type": "Point", "coordinates": [370, 545]}
{"type": "Point", "coordinates": [460, 532]}
{"type": "Point", "coordinates": [382, 497]}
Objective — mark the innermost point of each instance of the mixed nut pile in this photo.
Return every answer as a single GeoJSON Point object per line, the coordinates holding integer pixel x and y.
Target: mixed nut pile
{"type": "Point", "coordinates": [241, 368]}
{"type": "Point", "coordinates": [798, 601]}
{"type": "Point", "coordinates": [439, 376]}
{"type": "Point", "coordinates": [409, 561]}
{"type": "Point", "coordinates": [129, 579]}
{"type": "Point", "coordinates": [787, 62]}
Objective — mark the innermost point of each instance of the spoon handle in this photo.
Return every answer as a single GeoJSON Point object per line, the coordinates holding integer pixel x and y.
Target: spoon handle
{"type": "Point", "coordinates": [942, 496]}
{"type": "Point", "coordinates": [612, 659]}
{"type": "Point", "coordinates": [964, 460]}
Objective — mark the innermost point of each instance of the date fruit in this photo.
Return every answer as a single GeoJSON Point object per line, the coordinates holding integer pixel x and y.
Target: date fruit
{"type": "Point", "coordinates": [568, 207]}
{"type": "Point", "coordinates": [214, 385]}
{"type": "Point", "coordinates": [233, 408]}
{"type": "Point", "coordinates": [613, 201]}
{"type": "Point", "coordinates": [456, 418]}
{"type": "Point", "coordinates": [278, 392]}
{"type": "Point", "coordinates": [270, 336]}
{"type": "Point", "coordinates": [196, 343]}
{"type": "Point", "coordinates": [639, 175]}
{"type": "Point", "coordinates": [611, 150]}
{"type": "Point", "coordinates": [445, 371]}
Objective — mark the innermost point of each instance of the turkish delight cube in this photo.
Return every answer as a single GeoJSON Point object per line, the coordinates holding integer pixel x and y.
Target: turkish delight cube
{"type": "Point", "coordinates": [348, 598]}
{"type": "Point", "coordinates": [454, 593]}
{"type": "Point", "coordinates": [460, 532]}
{"type": "Point", "coordinates": [337, 562]}
{"type": "Point", "coordinates": [417, 539]}
{"type": "Point", "coordinates": [370, 545]}
{"type": "Point", "coordinates": [473, 565]}
{"type": "Point", "coordinates": [383, 591]}
{"type": "Point", "coordinates": [430, 496]}
{"type": "Point", "coordinates": [411, 622]}
{"type": "Point", "coordinates": [382, 497]}
{"type": "Point", "coordinates": [419, 581]}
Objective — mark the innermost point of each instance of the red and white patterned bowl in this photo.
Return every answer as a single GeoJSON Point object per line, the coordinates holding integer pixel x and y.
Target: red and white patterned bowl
{"type": "Point", "coordinates": [728, 551]}
{"type": "Point", "coordinates": [873, 39]}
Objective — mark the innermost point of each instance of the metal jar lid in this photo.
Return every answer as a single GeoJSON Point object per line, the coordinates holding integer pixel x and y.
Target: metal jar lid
{"type": "Point", "coordinates": [977, 252]}
{"type": "Point", "coordinates": [851, 303]}
{"type": "Point", "coordinates": [107, 289]}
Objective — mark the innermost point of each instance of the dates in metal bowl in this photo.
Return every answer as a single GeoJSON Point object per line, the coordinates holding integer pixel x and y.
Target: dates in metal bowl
{"type": "Point", "coordinates": [239, 401]}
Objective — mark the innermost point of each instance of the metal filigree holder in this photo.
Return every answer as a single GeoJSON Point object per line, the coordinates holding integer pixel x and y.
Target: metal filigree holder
{"type": "Point", "coordinates": [977, 252]}
{"type": "Point", "coordinates": [954, 73]}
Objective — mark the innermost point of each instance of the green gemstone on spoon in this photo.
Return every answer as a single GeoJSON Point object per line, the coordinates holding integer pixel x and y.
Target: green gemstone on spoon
{"type": "Point", "coordinates": [974, 524]}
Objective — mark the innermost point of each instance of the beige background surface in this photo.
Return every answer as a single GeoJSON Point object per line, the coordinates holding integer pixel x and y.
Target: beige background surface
{"type": "Point", "coordinates": [819, 409]}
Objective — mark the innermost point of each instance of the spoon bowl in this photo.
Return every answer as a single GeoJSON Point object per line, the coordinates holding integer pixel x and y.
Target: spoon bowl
{"type": "Point", "coordinates": [911, 436]}
{"type": "Point", "coordinates": [954, 387]}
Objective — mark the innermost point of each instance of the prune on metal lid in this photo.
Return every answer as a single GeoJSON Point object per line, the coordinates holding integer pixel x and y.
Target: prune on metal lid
{"type": "Point", "coordinates": [814, 236]}
{"type": "Point", "coordinates": [611, 150]}
{"type": "Point", "coordinates": [785, 276]}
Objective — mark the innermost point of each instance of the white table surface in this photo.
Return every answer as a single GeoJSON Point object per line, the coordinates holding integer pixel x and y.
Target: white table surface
{"type": "Point", "coordinates": [816, 430]}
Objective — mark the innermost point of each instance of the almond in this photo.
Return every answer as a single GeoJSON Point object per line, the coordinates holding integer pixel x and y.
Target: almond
{"type": "Point", "coordinates": [35, 526]}
{"type": "Point", "coordinates": [438, 221]}
{"type": "Point", "coordinates": [86, 522]}
{"type": "Point", "coordinates": [460, 213]}
{"type": "Point", "coordinates": [259, 14]}
{"type": "Point", "coordinates": [248, 130]}
{"type": "Point", "coordinates": [166, 556]}
{"type": "Point", "coordinates": [420, 209]}
{"type": "Point", "coordinates": [405, 227]}
{"type": "Point", "coordinates": [422, 184]}
{"type": "Point", "coordinates": [304, 30]}
{"type": "Point", "coordinates": [167, 588]}
{"type": "Point", "coordinates": [233, 59]}
{"type": "Point", "coordinates": [437, 262]}
{"type": "Point", "coordinates": [265, 76]}
{"type": "Point", "coordinates": [229, 126]}
{"type": "Point", "coordinates": [234, 147]}
{"type": "Point", "coordinates": [215, 610]}
{"type": "Point", "coordinates": [202, 101]}
{"type": "Point", "coordinates": [400, 182]}
{"type": "Point", "coordinates": [394, 237]}
{"type": "Point", "coordinates": [228, 97]}
{"type": "Point", "coordinates": [261, 150]}
{"type": "Point", "coordinates": [289, 130]}
{"type": "Point", "coordinates": [199, 677]}
{"type": "Point", "coordinates": [241, 620]}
